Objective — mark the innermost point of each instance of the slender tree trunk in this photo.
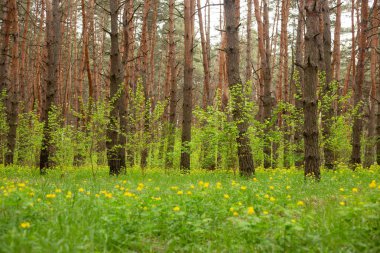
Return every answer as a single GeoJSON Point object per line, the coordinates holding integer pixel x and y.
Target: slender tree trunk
{"type": "Point", "coordinates": [188, 85]}
{"type": "Point", "coordinates": [299, 61]}
{"type": "Point", "coordinates": [359, 80]}
{"type": "Point", "coordinates": [313, 58]}
{"type": "Point", "coordinates": [53, 44]}
{"type": "Point", "coordinates": [172, 86]}
{"type": "Point", "coordinates": [264, 49]}
{"type": "Point", "coordinates": [328, 114]}
{"type": "Point", "coordinates": [336, 51]}
{"type": "Point", "coordinates": [233, 60]}
{"type": "Point", "coordinates": [248, 59]}
{"type": "Point", "coordinates": [374, 41]}
{"type": "Point", "coordinates": [116, 137]}
{"type": "Point", "coordinates": [206, 66]}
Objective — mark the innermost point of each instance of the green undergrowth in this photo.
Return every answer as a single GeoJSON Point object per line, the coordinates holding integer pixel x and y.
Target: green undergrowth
{"type": "Point", "coordinates": [82, 210]}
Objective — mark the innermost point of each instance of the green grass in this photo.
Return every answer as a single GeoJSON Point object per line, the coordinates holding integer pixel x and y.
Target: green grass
{"type": "Point", "coordinates": [200, 212]}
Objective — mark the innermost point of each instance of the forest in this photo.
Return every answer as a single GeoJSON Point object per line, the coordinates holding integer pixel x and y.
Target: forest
{"type": "Point", "coordinates": [189, 126]}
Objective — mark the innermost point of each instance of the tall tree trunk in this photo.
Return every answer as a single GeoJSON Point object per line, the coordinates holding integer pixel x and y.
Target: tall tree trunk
{"type": "Point", "coordinates": [187, 85]}
{"type": "Point", "coordinates": [206, 65]}
{"type": "Point", "coordinates": [264, 49]}
{"type": "Point", "coordinates": [336, 51]}
{"type": "Point", "coordinates": [143, 67]}
{"type": "Point", "coordinates": [283, 75]}
{"type": "Point", "coordinates": [359, 80]}
{"type": "Point", "coordinates": [233, 61]}
{"type": "Point", "coordinates": [328, 114]}
{"type": "Point", "coordinates": [299, 61]}
{"type": "Point", "coordinates": [313, 58]}
{"type": "Point", "coordinates": [248, 59]}
{"type": "Point", "coordinates": [116, 137]}
{"type": "Point", "coordinates": [24, 84]}
{"type": "Point", "coordinates": [374, 41]}
{"type": "Point", "coordinates": [172, 86]}
{"type": "Point", "coordinates": [49, 100]}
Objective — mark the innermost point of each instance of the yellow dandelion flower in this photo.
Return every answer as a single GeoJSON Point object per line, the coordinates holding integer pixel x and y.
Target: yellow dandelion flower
{"type": "Point", "coordinates": [189, 193]}
{"type": "Point", "coordinates": [81, 190]}
{"type": "Point", "coordinates": [97, 195]}
{"type": "Point", "coordinates": [235, 214]}
{"type": "Point", "coordinates": [174, 188]}
{"type": "Point", "coordinates": [251, 210]}
{"type": "Point", "coordinates": [180, 192]}
{"type": "Point", "coordinates": [288, 187]}
{"type": "Point", "coordinates": [200, 183]}
{"type": "Point", "coordinates": [300, 203]}
{"type": "Point", "coordinates": [271, 187]}
{"type": "Point", "coordinates": [243, 188]}
{"type": "Point", "coordinates": [341, 189]}
{"type": "Point", "coordinates": [288, 197]}
{"type": "Point", "coordinates": [206, 184]}
{"type": "Point", "coordinates": [58, 190]}
{"type": "Point", "coordinates": [271, 178]}
{"type": "Point", "coordinates": [226, 196]}
{"type": "Point", "coordinates": [372, 185]}
{"type": "Point", "coordinates": [232, 209]}
{"type": "Point", "coordinates": [176, 209]}
{"type": "Point", "coordinates": [108, 195]}
{"type": "Point", "coordinates": [124, 181]}
{"type": "Point", "coordinates": [218, 185]}
{"type": "Point", "coordinates": [355, 189]}
{"type": "Point", "coordinates": [25, 224]}
{"type": "Point", "coordinates": [50, 196]}
{"type": "Point", "coordinates": [254, 179]}
{"type": "Point", "coordinates": [266, 196]}
{"type": "Point", "coordinates": [21, 185]}
{"type": "Point", "coordinates": [272, 199]}
{"type": "Point", "coordinates": [192, 186]}
{"type": "Point", "coordinates": [265, 212]}
{"type": "Point", "coordinates": [293, 221]}
{"type": "Point", "coordinates": [342, 203]}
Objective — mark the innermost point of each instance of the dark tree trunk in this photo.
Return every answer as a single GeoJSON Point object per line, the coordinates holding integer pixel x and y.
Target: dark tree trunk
{"type": "Point", "coordinates": [172, 86]}
{"type": "Point", "coordinates": [116, 137]}
{"type": "Point", "coordinates": [233, 65]}
{"type": "Point", "coordinates": [313, 57]}
{"type": "Point", "coordinates": [328, 114]}
{"type": "Point", "coordinates": [357, 127]}
{"type": "Point", "coordinates": [188, 85]}
{"type": "Point", "coordinates": [49, 100]}
{"type": "Point", "coordinates": [299, 55]}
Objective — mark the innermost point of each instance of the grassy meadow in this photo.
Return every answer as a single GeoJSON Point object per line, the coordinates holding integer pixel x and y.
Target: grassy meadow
{"type": "Point", "coordinates": [76, 210]}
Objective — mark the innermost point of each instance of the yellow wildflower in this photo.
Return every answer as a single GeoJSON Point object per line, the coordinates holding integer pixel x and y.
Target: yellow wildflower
{"type": "Point", "coordinates": [272, 199]}
{"type": "Point", "coordinates": [81, 190]}
{"type": "Point", "coordinates": [300, 203]}
{"type": "Point", "coordinates": [288, 187]}
{"type": "Point", "coordinates": [251, 210]}
{"type": "Point", "coordinates": [226, 196]}
{"type": "Point", "coordinates": [21, 185]}
{"type": "Point", "coordinates": [271, 187]}
{"type": "Point", "coordinates": [342, 203]}
{"type": "Point", "coordinates": [176, 208]}
{"type": "Point", "coordinates": [189, 193]}
{"type": "Point", "coordinates": [174, 188]}
{"type": "Point", "coordinates": [265, 212]}
{"type": "Point", "coordinates": [180, 192]}
{"type": "Point", "coordinates": [58, 190]}
{"type": "Point", "coordinates": [243, 188]}
{"type": "Point", "coordinates": [218, 185]}
{"type": "Point", "coordinates": [355, 189]}
{"type": "Point", "coordinates": [254, 179]}
{"type": "Point", "coordinates": [266, 196]}
{"type": "Point", "coordinates": [206, 185]}
{"type": "Point", "coordinates": [236, 214]}
{"type": "Point", "coordinates": [25, 224]}
{"type": "Point", "coordinates": [50, 196]}
{"type": "Point", "coordinates": [288, 197]}
{"type": "Point", "coordinates": [372, 185]}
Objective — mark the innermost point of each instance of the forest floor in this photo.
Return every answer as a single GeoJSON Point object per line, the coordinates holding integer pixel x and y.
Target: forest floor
{"type": "Point", "coordinates": [72, 211]}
